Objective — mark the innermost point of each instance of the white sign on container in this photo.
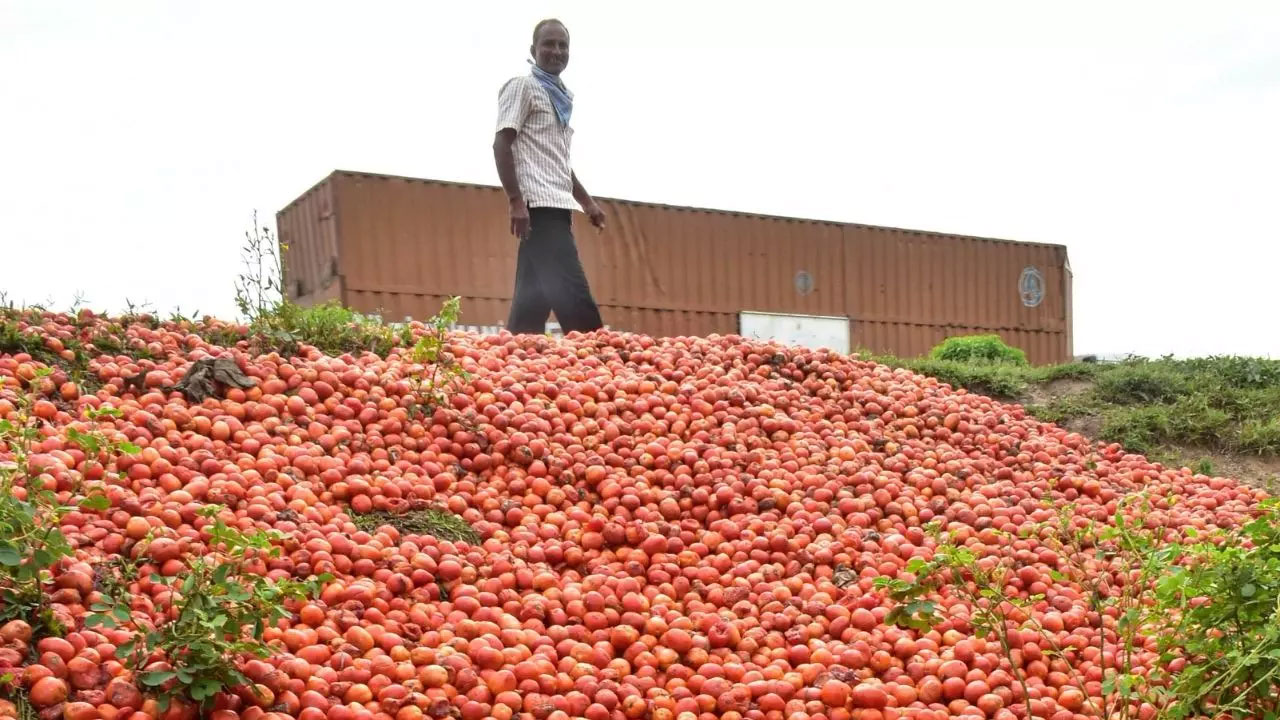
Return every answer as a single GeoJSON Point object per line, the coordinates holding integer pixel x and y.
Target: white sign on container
{"type": "Point", "coordinates": [810, 331]}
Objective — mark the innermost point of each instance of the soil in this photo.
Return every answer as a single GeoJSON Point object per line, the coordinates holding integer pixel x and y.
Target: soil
{"type": "Point", "coordinates": [1088, 426]}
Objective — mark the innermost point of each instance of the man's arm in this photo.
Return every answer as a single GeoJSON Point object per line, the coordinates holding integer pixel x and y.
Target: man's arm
{"type": "Point", "coordinates": [505, 158]}
{"type": "Point", "coordinates": [588, 203]}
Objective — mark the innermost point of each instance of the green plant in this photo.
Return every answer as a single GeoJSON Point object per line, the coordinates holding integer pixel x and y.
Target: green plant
{"type": "Point", "coordinates": [31, 541]}
{"type": "Point", "coordinates": [1260, 436]}
{"type": "Point", "coordinates": [1116, 564]}
{"type": "Point", "coordinates": [1235, 372]}
{"type": "Point", "coordinates": [989, 349]}
{"type": "Point", "coordinates": [996, 380]}
{"type": "Point", "coordinates": [1140, 429]}
{"type": "Point", "coordinates": [223, 605]}
{"type": "Point", "coordinates": [329, 326]}
{"type": "Point", "coordinates": [1142, 382]}
{"type": "Point", "coordinates": [14, 340]}
{"type": "Point", "coordinates": [1203, 467]}
{"type": "Point", "coordinates": [433, 382]}
{"type": "Point", "coordinates": [1067, 371]}
{"type": "Point", "coordinates": [260, 287]}
{"type": "Point", "coordinates": [277, 324]}
{"type": "Point", "coordinates": [1226, 601]}
{"type": "Point", "coordinates": [20, 700]}
{"type": "Point", "coordinates": [980, 585]}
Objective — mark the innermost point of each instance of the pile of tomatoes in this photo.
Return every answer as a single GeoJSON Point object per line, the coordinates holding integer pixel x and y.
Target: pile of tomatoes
{"type": "Point", "coordinates": [688, 528]}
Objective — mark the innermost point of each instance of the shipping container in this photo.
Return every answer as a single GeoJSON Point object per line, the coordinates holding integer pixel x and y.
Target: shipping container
{"type": "Point", "coordinates": [401, 246]}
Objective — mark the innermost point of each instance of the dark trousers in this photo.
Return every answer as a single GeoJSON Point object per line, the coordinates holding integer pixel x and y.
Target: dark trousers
{"type": "Point", "coordinates": [549, 278]}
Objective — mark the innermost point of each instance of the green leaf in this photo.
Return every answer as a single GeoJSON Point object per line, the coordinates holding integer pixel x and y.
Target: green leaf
{"type": "Point", "coordinates": [95, 502]}
{"type": "Point", "coordinates": [99, 621]}
{"type": "Point", "coordinates": [128, 448]}
{"type": "Point", "coordinates": [205, 688]}
{"type": "Point", "coordinates": [221, 573]}
{"type": "Point", "coordinates": [157, 677]}
{"type": "Point", "coordinates": [44, 558]}
{"type": "Point", "coordinates": [1248, 590]}
{"type": "Point", "coordinates": [9, 556]}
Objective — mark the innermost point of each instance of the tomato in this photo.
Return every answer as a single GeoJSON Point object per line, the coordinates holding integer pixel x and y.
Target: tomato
{"type": "Point", "coordinates": [605, 525]}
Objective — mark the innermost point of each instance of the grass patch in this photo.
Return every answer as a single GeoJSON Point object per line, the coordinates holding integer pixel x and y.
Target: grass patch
{"type": "Point", "coordinates": [330, 327]}
{"type": "Point", "coordinates": [1001, 381]}
{"type": "Point", "coordinates": [1260, 437]}
{"type": "Point", "coordinates": [1152, 406]}
{"type": "Point", "coordinates": [14, 340]}
{"type": "Point", "coordinates": [437, 523]}
{"type": "Point", "coordinates": [1203, 467]}
{"type": "Point", "coordinates": [275, 324]}
{"type": "Point", "coordinates": [20, 700]}
{"type": "Point", "coordinates": [1141, 383]}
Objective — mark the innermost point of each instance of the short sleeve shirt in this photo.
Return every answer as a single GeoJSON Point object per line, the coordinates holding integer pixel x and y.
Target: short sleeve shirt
{"type": "Point", "coordinates": [542, 143]}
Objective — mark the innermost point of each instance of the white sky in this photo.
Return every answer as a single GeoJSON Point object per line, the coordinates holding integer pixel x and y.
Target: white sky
{"type": "Point", "coordinates": [137, 137]}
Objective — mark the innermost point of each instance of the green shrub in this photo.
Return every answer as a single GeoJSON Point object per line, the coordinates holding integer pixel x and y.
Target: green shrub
{"type": "Point", "coordinates": [1222, 603]}
{"type": "Point", "coordinates": [330, 327]}
{"type": "Point", "coordinates": [1260, 436]}
{"type": "Point", "coordinates": [1067, 371]}
{"type": "Point", "coordinates": [1000, 381]}
{"type": "Point", "coordinates": [1203, 467]}
{"type": "Point", "coordinates": [1235, 372]}
{"type": "Point", "coordinates": [989, 349]}
{"type": "Point", "coordinates": [31, 539]}
{"type": "Point", "coordinates": [1141, 382]}
{"type": "Point", "coordinates": [222, 604]}
{"type": "Point", "coordinates": [1140, 430]}
{"type": "Point", "coordinates": [1192, 420]}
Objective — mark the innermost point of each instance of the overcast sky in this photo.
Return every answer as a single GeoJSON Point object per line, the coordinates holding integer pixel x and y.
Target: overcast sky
{"type": "Point", "coordinates": [136, 138]}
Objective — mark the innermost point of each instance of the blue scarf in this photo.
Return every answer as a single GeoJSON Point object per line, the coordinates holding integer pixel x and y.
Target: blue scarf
{"type": "Point", "coordinates": [561, 98]}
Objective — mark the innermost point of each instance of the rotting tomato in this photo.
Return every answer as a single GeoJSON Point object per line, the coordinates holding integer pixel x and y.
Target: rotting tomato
{"type": "Point", "coordinates": [662, 528]}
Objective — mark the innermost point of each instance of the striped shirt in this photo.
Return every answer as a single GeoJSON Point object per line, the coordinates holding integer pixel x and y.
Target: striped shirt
{"type": "Point", "coordinates": [542, 144]}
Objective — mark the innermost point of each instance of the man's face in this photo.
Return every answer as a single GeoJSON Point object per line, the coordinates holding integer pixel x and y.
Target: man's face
{"type": "Point", "coordinates": [551, 48]}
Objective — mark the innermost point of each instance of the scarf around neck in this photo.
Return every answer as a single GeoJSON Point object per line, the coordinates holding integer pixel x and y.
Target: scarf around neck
{"type": "Point", "coordinates": [561, 97]}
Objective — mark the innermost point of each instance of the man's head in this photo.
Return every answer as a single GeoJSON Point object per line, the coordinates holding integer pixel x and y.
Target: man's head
{"type": "Point", "coordinates": [550, 49]}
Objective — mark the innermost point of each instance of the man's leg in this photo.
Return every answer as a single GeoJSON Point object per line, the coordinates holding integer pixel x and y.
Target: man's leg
{"type": "Point", "coordinates": [529, 307]}
{"type": "Point", "coordinates": [559, 271]}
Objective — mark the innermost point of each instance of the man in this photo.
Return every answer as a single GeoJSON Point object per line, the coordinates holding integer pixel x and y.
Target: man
{"type": "Point", "coordinates": [531, 149]}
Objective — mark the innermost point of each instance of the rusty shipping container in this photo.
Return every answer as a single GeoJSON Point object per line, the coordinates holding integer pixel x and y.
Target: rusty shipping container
{"type": "Point", "coordinates": [400, 246]}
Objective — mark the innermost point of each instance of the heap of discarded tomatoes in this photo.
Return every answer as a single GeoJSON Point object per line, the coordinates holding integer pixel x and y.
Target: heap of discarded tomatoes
{"type": "Point", "coordinates": [684, 528]}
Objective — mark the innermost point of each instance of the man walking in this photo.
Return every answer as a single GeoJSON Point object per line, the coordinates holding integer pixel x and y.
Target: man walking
{"type": "Point", "coordinates": [531, 149]}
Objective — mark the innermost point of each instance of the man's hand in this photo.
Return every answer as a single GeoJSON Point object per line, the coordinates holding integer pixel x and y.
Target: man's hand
{"type": "Point", "coordinates": [596, 214]}
{"type": "Point", "coordinates": [519, 218]}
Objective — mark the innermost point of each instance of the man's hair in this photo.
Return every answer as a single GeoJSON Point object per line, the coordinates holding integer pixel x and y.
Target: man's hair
{"type": "Point", "coordinates": [543, 23]}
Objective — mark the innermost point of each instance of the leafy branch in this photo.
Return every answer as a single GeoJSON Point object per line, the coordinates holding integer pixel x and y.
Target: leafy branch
{"type": "Point", "coordinates": [31, 539]}
{"type": "Point", "coordinates": [221, 609]}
